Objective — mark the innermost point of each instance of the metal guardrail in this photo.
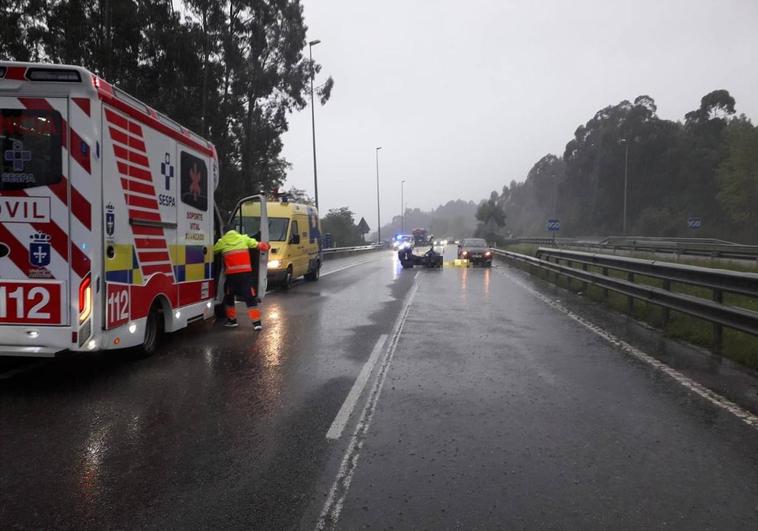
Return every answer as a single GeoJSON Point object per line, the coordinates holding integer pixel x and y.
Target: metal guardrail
{"type": "Point", "coordinates": [717, 280]}
{"type": "Point", "coordinates": [334, 252]}
{"type": "Point", "coordinates": [704, 247]}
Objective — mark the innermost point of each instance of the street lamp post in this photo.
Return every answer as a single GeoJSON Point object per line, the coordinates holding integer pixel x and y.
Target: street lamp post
{"type": "Point", "coordinates": [378, 211]}
{"type": "Point", "coordinates": [311, 44]}
{"type": "Point", "coordinates": [626, 181]}
{"type": "Point", "coordinates": [402, 208]}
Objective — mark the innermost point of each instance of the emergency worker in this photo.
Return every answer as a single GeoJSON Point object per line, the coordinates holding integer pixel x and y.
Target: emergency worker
{"type": "Point", "coordinates": [235, 250]}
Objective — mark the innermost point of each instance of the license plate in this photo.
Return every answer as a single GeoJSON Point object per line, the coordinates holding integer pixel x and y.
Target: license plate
{"type": "Point", "coordinates": [26, 303]}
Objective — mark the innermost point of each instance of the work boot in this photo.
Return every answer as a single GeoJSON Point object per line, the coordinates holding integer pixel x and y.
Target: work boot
{"type": "Point", "coordinates": [231, 323]}
{"type": "Point", "coordinates": [257, 326]}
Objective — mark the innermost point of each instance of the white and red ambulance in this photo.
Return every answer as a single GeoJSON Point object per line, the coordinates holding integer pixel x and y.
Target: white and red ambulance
{"type": "Point", "coordinates": [107, 218]}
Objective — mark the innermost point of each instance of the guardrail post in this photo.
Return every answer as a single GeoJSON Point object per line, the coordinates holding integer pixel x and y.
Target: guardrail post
{"type": "Point", "coordinates": [718, 296]}
{"type": "Point", "coordinates": [585, 285]}
{"type": "Point", "coordinates": [605, 290]}
{"type": "Point", "coordinates": [630, 300]}
{"type": "Point", "coordinates": [666, 311]}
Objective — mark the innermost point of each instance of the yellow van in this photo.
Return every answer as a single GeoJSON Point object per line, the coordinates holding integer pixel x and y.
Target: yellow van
{"type": "Point", "coordinates": [294, 231]}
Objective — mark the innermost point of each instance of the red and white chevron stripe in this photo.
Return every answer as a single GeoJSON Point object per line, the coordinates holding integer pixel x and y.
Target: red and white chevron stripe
{"type": "Point", "coordinates": [139, 194]}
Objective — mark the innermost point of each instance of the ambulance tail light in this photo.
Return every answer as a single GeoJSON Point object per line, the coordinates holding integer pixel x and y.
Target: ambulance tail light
{"type": "Point", "coordinates": [85, 299]}
{"type": "Point", "coordinates": [53, 74]}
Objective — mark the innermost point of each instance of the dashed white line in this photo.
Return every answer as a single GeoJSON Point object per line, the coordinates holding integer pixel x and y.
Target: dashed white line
{"type": "Point", "coordinates": [700, 390]}
{"type": "Point", "coordinates": [333, 507]}
{"type": "Point", "coordinates": [335, 430]}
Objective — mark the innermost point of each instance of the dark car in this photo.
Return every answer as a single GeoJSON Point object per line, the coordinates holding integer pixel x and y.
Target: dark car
{"type": "Point", "coordinates": [476, 251]}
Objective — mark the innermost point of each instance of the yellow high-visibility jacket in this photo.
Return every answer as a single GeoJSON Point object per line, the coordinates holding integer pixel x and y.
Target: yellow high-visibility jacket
{"type": "Point", "coordinates": [234, 248]}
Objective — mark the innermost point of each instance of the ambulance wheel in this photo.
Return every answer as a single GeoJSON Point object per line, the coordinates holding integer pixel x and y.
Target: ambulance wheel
{"type": "Point", "coordinates": [407, 264]}
{"type": "Point", "coordinates": [152, 331]}
{"type": "Point", "coordinates": [314, 275]}
{"type": "Point", "coordinates": [287, 280]}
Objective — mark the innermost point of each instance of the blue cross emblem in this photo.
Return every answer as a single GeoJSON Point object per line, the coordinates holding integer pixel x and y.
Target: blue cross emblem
{"type": "Point", "coordinates": [167, 170]}
{"type": "Point", "coordinates": [39, 250]}
{"type": "Point", "coordinates": [18, 156]}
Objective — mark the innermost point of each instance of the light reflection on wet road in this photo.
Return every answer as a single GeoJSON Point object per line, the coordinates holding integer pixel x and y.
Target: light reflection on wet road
{"type": "Point", "coordinates": [497, 412]}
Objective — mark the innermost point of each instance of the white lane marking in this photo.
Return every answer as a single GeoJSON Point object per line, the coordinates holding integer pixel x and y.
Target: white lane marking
{"type": "Point", "coordinates": [335, 430]}
{"type": "Point", "coordinates": [333, 507]}
{"type": "Point", "coordinates": [20, 370]}
{"type": "Point", "coordinates": [700, 390]}
{"type": "Point", "coordinates": [346, 267]}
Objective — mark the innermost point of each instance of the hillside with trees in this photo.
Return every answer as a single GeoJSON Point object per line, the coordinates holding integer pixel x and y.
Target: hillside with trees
{"type": "Point", "coordinates": [704, 166]}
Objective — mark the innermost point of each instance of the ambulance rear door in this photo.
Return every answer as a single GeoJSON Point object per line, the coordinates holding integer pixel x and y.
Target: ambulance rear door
{"type": "Point", "coordinates": [39, 268]}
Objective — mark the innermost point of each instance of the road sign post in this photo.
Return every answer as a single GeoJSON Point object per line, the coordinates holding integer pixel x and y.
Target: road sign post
{"type": "Point", "coordinates": [553, 225]}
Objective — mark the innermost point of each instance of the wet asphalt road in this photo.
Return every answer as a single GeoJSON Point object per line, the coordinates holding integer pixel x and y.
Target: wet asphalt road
{"type": "Point", "coordinates": [497, 411]}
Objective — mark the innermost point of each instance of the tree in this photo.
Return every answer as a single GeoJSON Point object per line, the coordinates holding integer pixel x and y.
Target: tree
{"type": "Point", "coordinates": [230, 70]}
{"type": "Point", "coordinates": [738, 177]}
{"type": "Point", "coordinates": [339, 222]}
{"type": "Point", "coordinates": [491, 217]}
{"type": "Point", "coordinates": [298, 195]}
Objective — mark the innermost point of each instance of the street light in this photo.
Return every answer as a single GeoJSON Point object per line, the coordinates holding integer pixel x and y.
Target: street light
{"type": "Point", "coordinates": [626, 180]}
{"type": "Point", "coordinates": [378, 212]}
{"type": "Point", "coordinates": [402, 209]}
{"type": "Point", "coordinates": [311, 44]}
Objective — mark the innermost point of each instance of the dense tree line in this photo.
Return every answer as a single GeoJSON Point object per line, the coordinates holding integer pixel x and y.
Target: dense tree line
{"type": "Point", "coordinates": [230, 70]}
{"type": "Point", "coordinates": [705, 166]}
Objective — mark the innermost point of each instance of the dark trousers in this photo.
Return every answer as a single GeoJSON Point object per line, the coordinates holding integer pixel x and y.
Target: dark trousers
{"type": "Point", "coordinates": [241, 285]}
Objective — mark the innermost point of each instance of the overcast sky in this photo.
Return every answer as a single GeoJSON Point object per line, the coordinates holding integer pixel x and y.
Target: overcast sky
{"type": "Point", "coordinates": [465, 96]}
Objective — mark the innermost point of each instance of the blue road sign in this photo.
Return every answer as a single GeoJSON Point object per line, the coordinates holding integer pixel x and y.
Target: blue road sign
{"type": "Point", "coordinates": [553, 225]}
{"type": "Point", "coordinates": [694, 222]}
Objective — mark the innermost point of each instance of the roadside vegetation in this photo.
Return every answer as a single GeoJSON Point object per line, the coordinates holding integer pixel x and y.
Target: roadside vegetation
{"type": "Point", "coordinates": [230, 71]}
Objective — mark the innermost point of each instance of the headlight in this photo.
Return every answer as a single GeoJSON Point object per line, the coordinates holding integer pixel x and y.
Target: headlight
{"type": "Point", "coordinates": [488, 253]}
{"type": "Point", "coordinates": [274, 264]}
{"type": "Point", "coordinates": [464, 253]}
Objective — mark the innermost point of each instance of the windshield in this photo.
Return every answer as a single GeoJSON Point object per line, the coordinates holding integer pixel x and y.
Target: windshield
{"type": "Point", "coordinates": [474, 242]}
{"type": "Point", "coordinates": [277, 227]}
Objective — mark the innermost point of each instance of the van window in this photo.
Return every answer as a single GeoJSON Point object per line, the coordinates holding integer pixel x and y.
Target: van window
{"type": "Point", "coordinates": [194, 176]}
{"type": "Point", "coordinates": [294, 228]}
{"type": "Point", "coordinates": [30, 142]}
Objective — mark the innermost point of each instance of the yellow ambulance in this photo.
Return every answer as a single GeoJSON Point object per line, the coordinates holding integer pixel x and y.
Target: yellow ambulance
{"type": "Point", "coordinates": [295, 237]}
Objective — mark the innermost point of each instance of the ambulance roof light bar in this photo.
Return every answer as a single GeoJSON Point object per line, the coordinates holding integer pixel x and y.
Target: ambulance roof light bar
{"type": "Point", "coordinates": [53, 74]}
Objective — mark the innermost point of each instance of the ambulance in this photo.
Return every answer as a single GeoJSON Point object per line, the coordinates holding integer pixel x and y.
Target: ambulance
{"type": "Point", "coordinates": [295, 238]}
{"type": "Point", "coordinates": [107, 217]}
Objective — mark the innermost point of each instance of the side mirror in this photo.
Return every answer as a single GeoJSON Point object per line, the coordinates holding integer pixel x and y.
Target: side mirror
{"type": "Point", "coordinates": [295, 238]}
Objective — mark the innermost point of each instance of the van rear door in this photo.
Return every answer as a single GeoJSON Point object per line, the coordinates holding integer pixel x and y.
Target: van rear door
{"type": "Point", "coordinates": [36, 256]}
{"type": "Point", "coordinates": [250, 217]}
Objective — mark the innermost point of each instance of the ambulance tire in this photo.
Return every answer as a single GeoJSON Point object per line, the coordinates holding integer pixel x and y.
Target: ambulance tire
{"type": "Point", "coordinates": [152, 331]}
{"type": "Point", "coordinates": [287, 280]}
{"type": "Point", "coordinates": [314, 275]}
